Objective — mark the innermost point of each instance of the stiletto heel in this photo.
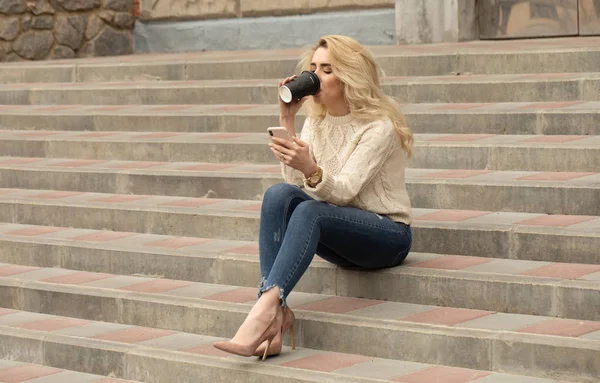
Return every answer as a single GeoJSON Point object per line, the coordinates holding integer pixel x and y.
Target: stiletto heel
{"type": "Point", "coordinates": [286, 325]}
{"type": "Point", "coordinates": [266, 349]}
{"type": "Point", "coordinates": [292, 337]}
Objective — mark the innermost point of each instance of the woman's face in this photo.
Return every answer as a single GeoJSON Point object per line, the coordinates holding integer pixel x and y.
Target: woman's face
{"type": "Point", "coordinates": [331, 92]}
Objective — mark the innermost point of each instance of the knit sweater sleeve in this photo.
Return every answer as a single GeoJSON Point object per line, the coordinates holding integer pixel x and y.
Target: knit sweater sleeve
{"type": "Point", "coordinates": [373, 148]}
{"type": "Point", "coordinates": [291, 175]}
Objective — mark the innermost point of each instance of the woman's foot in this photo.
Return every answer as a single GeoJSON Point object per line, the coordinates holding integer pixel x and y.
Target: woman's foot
{"type": "Point", "coordinates": [262, 324]}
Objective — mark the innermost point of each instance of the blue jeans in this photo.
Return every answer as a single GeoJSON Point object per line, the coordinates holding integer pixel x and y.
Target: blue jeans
{"type": "Point", "coordinates": [294, 226]}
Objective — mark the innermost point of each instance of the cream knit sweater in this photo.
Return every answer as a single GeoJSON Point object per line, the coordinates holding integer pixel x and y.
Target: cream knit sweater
{"type": "Point", "coordinates": [363, 165]}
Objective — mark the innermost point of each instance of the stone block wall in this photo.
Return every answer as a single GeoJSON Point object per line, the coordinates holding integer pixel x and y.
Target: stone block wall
{"type": "Point", "coordinates": [55, 29]}
{"type": "Point", "coordinates": [220, 9]}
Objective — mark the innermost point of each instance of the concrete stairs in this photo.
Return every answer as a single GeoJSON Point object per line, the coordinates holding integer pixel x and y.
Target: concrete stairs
{"type": "Point", "coordinates": [130, 195]}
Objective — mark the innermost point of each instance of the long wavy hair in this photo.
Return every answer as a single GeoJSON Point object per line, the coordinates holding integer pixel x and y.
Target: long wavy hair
{"type": "Point", "coordinates": [358, 72]}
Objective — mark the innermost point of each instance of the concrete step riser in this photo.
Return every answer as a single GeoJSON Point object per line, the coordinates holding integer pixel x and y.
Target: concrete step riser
{"type": "Point", "coordinates": [485, 242]}
{"type": "Point", "coordinates": [558, 90]}
{"type": "Point", "coordinates": [145, 364]}
{"type": "Point", "coordinates": [510, 294]}
{"type": "Point", "coordinates": [146, 151]}
{"type": "Point", "coordinates": [426, 156]}
{"type": "Point", "coordinates": [409, 65]}
{"type": "Point", "coordinates": [546, 159]}
{"type": "Point", "coordinates": [571, 200]}
{"type": "Point", "coordinates": [496, 92]}
{"type": "Point", "coordinates": [586, 123]}
{"type": "Point", "coordinates": [535, 355]}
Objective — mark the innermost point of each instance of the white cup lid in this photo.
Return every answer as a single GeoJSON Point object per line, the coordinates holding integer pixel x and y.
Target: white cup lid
{"type": "Point", "coordinates": [285, 94]}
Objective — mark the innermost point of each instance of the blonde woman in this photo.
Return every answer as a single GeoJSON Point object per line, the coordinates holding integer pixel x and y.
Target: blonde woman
{"type": "Point", "coordinates": [344, 198]}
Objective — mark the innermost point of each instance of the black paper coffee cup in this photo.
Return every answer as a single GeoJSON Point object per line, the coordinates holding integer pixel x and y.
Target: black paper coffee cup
{"type": "Point", "coordinates": [307, 84]}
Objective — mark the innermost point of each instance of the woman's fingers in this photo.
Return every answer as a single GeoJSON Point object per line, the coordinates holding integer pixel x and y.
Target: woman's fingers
{"type": "Point", "coordinates": [281, 149]}
{"type": "Point", "coordinates": [280, 156]}
{"type": "Point", "coordinates": [277, 154]}
{"type": "Point", "coordinates": [281, 142]}
{"type": "Point", "coordinates": [299, 142]}
{"type": "Point", "coordinates": [288, 79]}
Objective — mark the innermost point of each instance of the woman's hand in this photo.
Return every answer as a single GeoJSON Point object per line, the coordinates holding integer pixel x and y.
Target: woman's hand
{"type": "Point", "coordinates": [295, 154]}
{"type": "Point", "coordinates": [289, 110]}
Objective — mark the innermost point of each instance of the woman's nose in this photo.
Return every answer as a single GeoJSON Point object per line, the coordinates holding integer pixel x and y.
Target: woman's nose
{"type": "Point", "coordinates": [319, 75]}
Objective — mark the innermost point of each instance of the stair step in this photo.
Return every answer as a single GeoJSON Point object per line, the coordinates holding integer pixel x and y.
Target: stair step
{"type": "Point", "coordinates": [484, 340]}
{"type": "Point", "coordinates": [575, 193]}
{"type": "Point", "coordinates": [566, 118]}
{"type": "Point", "coordinates": [526, 236]}
{"type": "Point", "coordinates": [504, 285]}
{"type": "Point", "coordinates": [135, 352]}
{"type": "Point", "coordinates": [458, 151]}
{"type": "Point", "coordinates": [497, 57]}
{"type": "Point", "coordinates": [15, 371]}
{"type": "Point", "coordinates": [471, 88]}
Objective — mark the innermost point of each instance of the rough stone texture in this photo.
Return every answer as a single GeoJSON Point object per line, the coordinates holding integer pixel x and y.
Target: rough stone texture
{"type": "Point", "coordinates": [75, 5]}
{"type": "Point", "coordinates": [26, 22]}
{"type": "Point", "coordinates": [432, 21]}
{"type": "Point", "coordinates": [111, 43]}
{"type": "Point", "coordinates": [371, 27]}
{"type": "Point", "coordinates": [86, 50]}
{"type": "Point", "coordinates": [70, 30]}
{"type": "Point", "coordinates": [12, 7]}
{"type": "Point", "coordinates": [62, 52]}
{"type": "Point", "coordinates": [9, 28]}
{"type": "Point", "coordinates": [95, 25]}
{"type": "Point", "coordinates": [43, 22]}
{"type": "Point", "coordinates": [40, 7]}
{"type": "Point", "coordinates": [288, 7]}
{"type": "Point", "coordinates": [200, 9]}
{"type": "Point", "coordinates": [34, 44]}
{"type": "Point", "coordinates": [123, 20]}
{"type": "Point", "coordinates": [119, 5]}
{"type": "Point", "coordinates": [12, 57]}
{"type": "Point", "coordinates": [107, 16]}
{"type": "Point", "coordinates": [55, 29]}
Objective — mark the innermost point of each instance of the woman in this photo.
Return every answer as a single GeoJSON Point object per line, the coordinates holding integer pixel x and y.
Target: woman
{"type": "Point", "coordinates": [344, 198]}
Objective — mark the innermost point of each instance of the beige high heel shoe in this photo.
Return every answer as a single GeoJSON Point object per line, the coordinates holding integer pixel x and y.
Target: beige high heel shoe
{"type": "Point", "coordinates": [275, 347]}
{"type": "Point", "coordinates": [249, 349]}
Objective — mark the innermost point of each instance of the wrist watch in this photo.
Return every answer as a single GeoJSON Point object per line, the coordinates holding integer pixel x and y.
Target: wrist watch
{"type": "Point", "coordinates": [315, 178]}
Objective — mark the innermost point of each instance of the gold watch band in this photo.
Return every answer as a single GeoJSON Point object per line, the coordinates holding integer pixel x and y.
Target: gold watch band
{"type": "Point", "coordinates": [315, 178]}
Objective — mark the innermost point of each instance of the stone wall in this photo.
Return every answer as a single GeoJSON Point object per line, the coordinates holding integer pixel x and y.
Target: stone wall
{"type": "Point", "coordinates": [54, 29]}
{"type": "Point", "coordinates": [436, 21]}
{"type": "Point", "coordinates": [219, 9]}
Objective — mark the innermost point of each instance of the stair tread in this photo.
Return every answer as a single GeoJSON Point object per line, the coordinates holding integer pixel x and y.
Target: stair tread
{"type": "Point", "coordinates": [320, 307]}
{"type": "Point", "coordinates": [272, 109]}
{"type": "Point", "coordinates": [197, 349]}
{"type": "Point", "coordinates": [555, 44]}
{"type": "Point", "coordinates": [251, 208]}
{"type": "Point", "coordinates": [438, 140]}
{"type": "Point", "coordinates": [270, 82]}
{"type": "Point", "coordinates": [260, 171]}
{"type": "Point", "coordinates": [13, 371]}
{"type": "Point", "coordinates": [421, 263]}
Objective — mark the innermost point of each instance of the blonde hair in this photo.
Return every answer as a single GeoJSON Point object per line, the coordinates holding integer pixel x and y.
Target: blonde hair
{"type": "Point", "coordinates": [358, 72]}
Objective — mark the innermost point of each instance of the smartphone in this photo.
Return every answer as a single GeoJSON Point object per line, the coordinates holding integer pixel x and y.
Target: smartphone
{"type": "Point", "coordinates": [279, 131]}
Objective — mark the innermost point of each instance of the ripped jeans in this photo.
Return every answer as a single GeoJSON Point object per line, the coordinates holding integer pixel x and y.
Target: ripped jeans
{"type": "Point", "coordinates": [294, 226]}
